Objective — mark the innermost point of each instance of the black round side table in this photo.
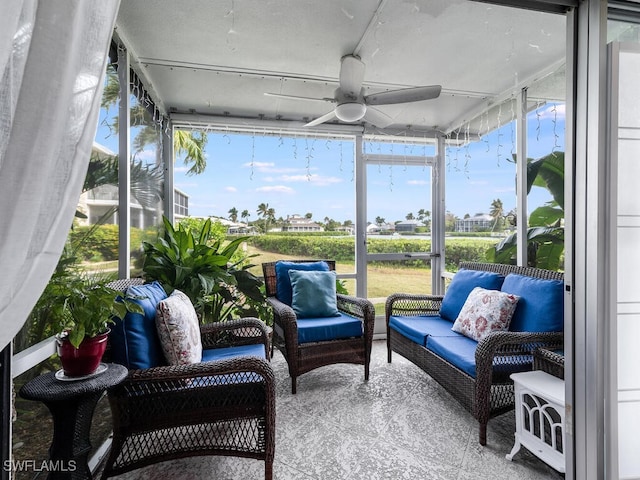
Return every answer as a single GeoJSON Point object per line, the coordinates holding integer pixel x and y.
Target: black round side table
{"type": "Point", "coordinates": [71, 404]}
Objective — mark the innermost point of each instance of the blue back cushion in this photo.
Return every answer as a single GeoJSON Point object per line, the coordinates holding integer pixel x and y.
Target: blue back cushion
{"type": "Point", "coordinates": [283, 282]}
{"type": "Point", "coordinates": [541, 304]}
{"type": "Point", "coordinates": [463, 282]}
{"type": "Point", "coordinates": [134, 340]}
{"type": "Point", "coordinates": [314, 294]}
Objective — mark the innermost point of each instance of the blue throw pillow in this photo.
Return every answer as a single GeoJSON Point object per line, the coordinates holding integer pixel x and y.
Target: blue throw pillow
{"type": "Point", "coordinates": [283, 282]}
{"type": "Point", "coordinates": [313, 294]}
{"type": "Point", "coordinates": [134, 340]}
{"type": "Point", "coordinates": [541, 304]}
{"type": "Point", "coordinates": [463, 282]}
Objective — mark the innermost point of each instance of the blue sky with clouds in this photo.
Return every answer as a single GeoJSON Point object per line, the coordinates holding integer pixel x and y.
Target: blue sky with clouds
{"type": "Point", "coordinates": [315, 175]}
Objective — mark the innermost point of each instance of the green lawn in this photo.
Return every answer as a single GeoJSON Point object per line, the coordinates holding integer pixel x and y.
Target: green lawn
{"type": "Point", "coordinates": [382, 281]}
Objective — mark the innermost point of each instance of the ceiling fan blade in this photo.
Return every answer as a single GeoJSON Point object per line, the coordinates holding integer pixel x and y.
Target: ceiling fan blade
{"type": "Point", "coordinates": [324, 118]}
{"type": "Point", "coordinates": [415, 94]}
{"type": "Point", "coordinates": [351, 75]}
{"type": "Point", "coordinates": [295, 97]}
{"type": "Point", "coordinates": [377, 118]}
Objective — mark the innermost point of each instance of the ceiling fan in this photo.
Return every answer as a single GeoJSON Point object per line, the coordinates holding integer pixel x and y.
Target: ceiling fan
{"type": "Point", "coordinates": [352, 105]}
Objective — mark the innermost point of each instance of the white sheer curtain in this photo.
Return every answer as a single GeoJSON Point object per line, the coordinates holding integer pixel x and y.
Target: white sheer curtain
{"type": "Point", "coordinates": [52, 58]}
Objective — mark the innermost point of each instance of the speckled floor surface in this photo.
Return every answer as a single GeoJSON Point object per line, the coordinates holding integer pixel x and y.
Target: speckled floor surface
{"type": "Point", "coordinates": [398, 425]}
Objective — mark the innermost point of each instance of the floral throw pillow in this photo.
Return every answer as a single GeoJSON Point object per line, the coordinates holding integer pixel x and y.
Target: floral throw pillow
{"type": "Point", "coordinates": [485, 311]}
{"type": "Point", "coordinates": [178, 330]}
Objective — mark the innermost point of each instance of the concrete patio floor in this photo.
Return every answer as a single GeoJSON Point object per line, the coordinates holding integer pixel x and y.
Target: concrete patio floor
{"type": "Point", "coordinates": [399, 425]}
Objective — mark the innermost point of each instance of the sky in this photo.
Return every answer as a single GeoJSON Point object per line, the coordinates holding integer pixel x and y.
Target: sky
{"type": "Point", "coordinates": [315, 175]}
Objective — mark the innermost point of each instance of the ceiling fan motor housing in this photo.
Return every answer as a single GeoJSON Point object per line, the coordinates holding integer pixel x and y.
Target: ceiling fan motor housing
{"type": "Point", "coordinates": [350, 111]}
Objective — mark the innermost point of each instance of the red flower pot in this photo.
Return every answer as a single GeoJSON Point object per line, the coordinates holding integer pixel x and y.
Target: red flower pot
{"type": "Point", "coordinates": [85, 359]}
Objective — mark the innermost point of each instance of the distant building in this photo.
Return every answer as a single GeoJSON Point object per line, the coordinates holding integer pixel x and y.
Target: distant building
{"type": "Point", "coordinates": [479, 222]}
{"type": "Point", "coordinates": [407, 226]}
{"type": "Point", "coordinates": [384, 227]}
{"type": "Point", "coordinates": [102, 200]}
{"type": "Point", "coordinates": [235, 228]}
{"type": "Point", "coordinates": [296, 223]}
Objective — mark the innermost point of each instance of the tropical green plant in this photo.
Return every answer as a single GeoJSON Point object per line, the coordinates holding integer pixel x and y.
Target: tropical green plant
{"type": "Point", "coordinates": [545, 234]}
{"type": "Point", "coordinates": [84, 309]}
{"type": "Point", "coordinates": [203, 268]}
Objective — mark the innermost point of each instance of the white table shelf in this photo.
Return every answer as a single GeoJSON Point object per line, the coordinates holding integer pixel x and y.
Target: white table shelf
{"type": "Point", "coordinates": [540, 419]}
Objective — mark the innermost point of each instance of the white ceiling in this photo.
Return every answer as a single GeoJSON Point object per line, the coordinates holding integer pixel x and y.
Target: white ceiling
{"type": "Point", "coordinates": [219, 58]}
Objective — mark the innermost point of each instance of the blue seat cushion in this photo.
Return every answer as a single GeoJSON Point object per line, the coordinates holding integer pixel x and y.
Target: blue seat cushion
{"type": "Point", "coordinates": [541, 304]}
{"type": "Point", "coordinates": [459, 351]}
{"type": "Point", "coordinates": [284, 291]}
{"type": "Point", "coordinates": [418, 328]}
{"type": "Point", "coordinates": [134, 339]}
{"type": "Point", "coordinates": [463, 282]}
{"type": "Point", "coordinates": [253, 350]}
{"type": "Point", "coordinates": [328, 328]}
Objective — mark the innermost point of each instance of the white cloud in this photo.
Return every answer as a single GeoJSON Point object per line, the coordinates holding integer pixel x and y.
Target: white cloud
{"type": "Point", "coordinates": [417, 182]}
{"type": "Point", "coordinates": [185, 185]}
{"type": "Point", "coordinates": [230, 189]}
{"type": "Point", "coordinates": [259, 165]}
{"type": "Point", "coordinates": [276, 189]}
{"type": "Point", "coordinates": [180, 169]}
{"type": "Point", "coordinates": [313, 178]}
{"type": "Point", "coordinates": [145, 155]}
{"type": "Point", "coordinates": [270, 167]}
{"type": "Point", "coordinates": [552, 112]}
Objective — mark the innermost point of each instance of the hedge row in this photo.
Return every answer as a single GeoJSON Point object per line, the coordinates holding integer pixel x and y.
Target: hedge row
{"type": "Point", "coordinates": [342, 249]}
{"type": "Point", "coordinates": [101, 243]}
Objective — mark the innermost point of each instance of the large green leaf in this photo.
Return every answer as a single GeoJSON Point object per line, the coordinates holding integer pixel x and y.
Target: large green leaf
{"type": "Point", "coordinates": [546, 215]}
{"type": "Point", "coordinates": [551, 176]}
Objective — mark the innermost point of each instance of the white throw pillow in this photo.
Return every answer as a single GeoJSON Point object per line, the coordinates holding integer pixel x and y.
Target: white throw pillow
{"type": "Point", "coordinates": [178, 329]}
{"type": "Point", "coordinates": [485, 311]}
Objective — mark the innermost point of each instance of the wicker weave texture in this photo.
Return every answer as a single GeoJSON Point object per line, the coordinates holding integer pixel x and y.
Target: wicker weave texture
{"type": "Point", "coordinates": [490, 393]}
{"type": "Point", "coordinates": [224, 407]}
{"type": "Point", "coordinates": [304, 357]}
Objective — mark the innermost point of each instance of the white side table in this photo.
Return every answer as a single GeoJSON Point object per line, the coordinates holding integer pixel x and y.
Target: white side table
{"type": "Point", "coordinates": [540, 409]}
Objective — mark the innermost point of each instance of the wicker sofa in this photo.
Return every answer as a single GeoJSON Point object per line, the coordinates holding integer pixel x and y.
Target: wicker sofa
{"type": "Point", "coordinates": [477, 373]}
{"type": "Point", "coordinates": [223, 406]}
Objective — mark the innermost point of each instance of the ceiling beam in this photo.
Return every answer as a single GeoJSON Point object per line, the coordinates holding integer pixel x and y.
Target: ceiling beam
{"type": "Point", "coordinates": [289, 127]}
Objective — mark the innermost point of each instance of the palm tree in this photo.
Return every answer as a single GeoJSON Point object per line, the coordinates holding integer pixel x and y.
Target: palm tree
{"type": "Point", "coordinates": [380, 221]}
{"type": "Point", "coordinates": [245, 215]}
{"type": "Point", "coordinates": [188, 143]}
{"type": "Point", "coordinates": [308, 215]}
{"type": "Point", "coordinates": [264, 212]}
{"type": "Point", "coordinates": [233, 214]}
{"type": "Point", "coordinates": [496, 212]}
{"type": "Point", "coordinates": [409, 216]}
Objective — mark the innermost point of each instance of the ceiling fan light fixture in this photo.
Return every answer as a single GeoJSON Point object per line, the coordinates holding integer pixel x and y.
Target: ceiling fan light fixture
{"type": "Point", "coordinates": [350, 111]}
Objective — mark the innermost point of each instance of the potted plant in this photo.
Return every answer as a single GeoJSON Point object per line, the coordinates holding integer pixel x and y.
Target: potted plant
{"type": "Point", "coordinates": [84, 311]}
{"type": "Point", "coordinates": [208, 271]}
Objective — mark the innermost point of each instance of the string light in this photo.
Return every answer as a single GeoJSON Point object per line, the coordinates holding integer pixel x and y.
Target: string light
{"type": "Point", "coordinates": [538, 116]}
{"type": "Point", "coordinates": [556, 145]}
{"type": "Point", "coordinates": [467, 154]}
{"type": "Point", "coordinates": [253, 153]}
{"type": "Point", "coordinates": [499, 133]}
{"type": "Point", "coordinates": [513, 132]}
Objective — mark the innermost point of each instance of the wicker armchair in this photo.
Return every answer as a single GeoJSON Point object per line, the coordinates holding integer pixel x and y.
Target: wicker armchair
{"type": "Point", "coordinates": [490, 392]}
{"type": "Point", "coordinates": [304, 357]}
{"type": "Point", "coordinates": [224, 407]}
